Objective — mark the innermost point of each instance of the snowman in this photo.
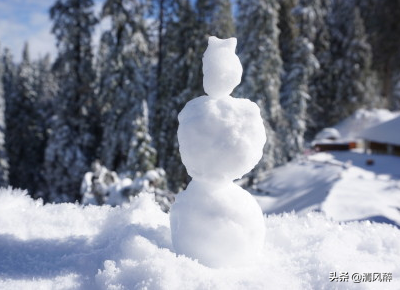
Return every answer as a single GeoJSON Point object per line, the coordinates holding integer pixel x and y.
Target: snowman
{"type": "Point", "coordinates": [221, 138]}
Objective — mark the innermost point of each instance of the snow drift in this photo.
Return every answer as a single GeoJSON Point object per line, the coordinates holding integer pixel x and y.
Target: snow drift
{"type": "Point", "coordinates": [340, 184]}
{"type": "Point", "coordinates": [68, 246]}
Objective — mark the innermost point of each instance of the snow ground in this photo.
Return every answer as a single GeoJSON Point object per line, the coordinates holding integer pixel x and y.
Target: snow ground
{"type": "Point", "coordinates": [67, 246]}
{"type": "Point", "coordinates": [340, 184]}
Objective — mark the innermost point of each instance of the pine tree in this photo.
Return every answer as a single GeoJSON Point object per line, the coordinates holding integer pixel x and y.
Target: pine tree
{"type": "Point", "coordinates": [320, 84]}
{"type": "Point", "coordinates": [395, 104]}
{"type": "Point", "coordinates": [286, 25]}
{"type": "Point", "coordinates": [180, 76]}
{"type": "Point", "coordinates": [295, 94]}
{"type": "Point", "coordinates": [126, 143]}
{"type": "Point", "coordinates": [259, 52]}
{"type": "Point", "coordinates": [178, 82]}
{"type": "Point", "coordinates": [381, 20]}
{"type": "Point", "coordinates": [72, 143]}
{"type": "Point", "coordinates": [8, 80]}
{"type": "Point", "coordinates": [46, 89]}
{"type": "Point", "coordinates": [350, 73]}
{"type": "Point", "coordinates": [24, 135]}
{"type": "Point", "coordinates": [46, 84]}
{"type": "Point", "coordinates": [216, 16]}
{"type": "Point", "coordinates": [3, 154]}
{"type": "Point", "coordinates": [9, 74]}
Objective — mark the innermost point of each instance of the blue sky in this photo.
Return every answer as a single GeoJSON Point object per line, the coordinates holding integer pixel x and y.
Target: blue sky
{"type": "Point", "coordinates": [29, 20]}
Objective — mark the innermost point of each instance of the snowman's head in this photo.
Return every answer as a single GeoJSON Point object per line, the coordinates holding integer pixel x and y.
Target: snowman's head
{"type": "Point", "coordinates": [221, 67]}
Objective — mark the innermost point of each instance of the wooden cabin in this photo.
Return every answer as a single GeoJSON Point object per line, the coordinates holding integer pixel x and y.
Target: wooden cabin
{"type": "Point", "coordinates": [335, 146]}
{"type": "Point", "coordinates": [329, 140]}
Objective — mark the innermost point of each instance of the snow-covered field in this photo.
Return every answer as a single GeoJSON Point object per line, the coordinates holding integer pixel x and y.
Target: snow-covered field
{"type": "Point", "coordinates": [67, 246]}
{"type": "Point", "coordinates": [340, 184]}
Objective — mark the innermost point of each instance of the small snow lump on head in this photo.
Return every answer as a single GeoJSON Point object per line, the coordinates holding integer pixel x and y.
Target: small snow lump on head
{"type": "Point", "coordinates": [221, 67]}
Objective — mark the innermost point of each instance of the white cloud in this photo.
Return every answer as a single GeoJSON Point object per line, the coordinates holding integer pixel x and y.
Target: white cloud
{"type": "Point", "coordinates": [28, 20]}
{"type": "Point", "coordinates": [41, 40]}
{"type": "Point", "coordinates": [11, 36]}
{"type": "Point", "coordinates": [14, 35]}
{"type": "Point", "coordinates": [41, 19]}
{"type": "Point", "coordinates": [42, 43]}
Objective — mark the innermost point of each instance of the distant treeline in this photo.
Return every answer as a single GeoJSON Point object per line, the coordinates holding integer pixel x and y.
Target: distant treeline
{"type": "Point", "coordinates": [307, 63]}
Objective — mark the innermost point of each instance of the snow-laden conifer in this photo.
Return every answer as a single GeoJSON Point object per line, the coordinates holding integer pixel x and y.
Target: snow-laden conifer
{"type": "Point", "coordinates": [3, 154]}
{"type": "Point", "coordinates": [25, 139]}
{"type": "Point", "coordinates": [350, 71]}
{"type": "Point", "coordinates": [124, 87]}
{"type": "Point", "coordinates": [258, 35]}
{"type": "Point", "coordinates": [73, 139]}
{"type": "Point", "coordinates": [295, 94]}
{"type": "Point", "coordinates": [319, 83]}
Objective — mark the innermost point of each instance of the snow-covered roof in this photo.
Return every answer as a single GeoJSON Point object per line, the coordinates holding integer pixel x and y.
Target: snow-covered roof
{"type": "Point", "coordinates": [350, 128]}
{"type": "Point", "coordinates": [361, 120]}
{"type": "Point", "coordinates": [328, 133]}
{"type": "Point", "coordinates": [387, 132]}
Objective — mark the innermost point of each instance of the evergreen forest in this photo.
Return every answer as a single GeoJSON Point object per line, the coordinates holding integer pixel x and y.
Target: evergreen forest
{"type": "Point", "coordinates": [307, 64]}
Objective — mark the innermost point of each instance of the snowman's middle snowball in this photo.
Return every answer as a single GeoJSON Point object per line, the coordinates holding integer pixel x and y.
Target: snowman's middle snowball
{"type": "Point", "coordinates": [220, 139]}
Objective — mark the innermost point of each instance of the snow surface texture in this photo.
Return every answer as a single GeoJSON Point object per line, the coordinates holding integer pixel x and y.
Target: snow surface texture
{"type": "Point", "coordinates": [220, 139]}
{"type": "Point", "coordinates": [339, 184]}
{"type": "Point", "coordinates": [67, 246]}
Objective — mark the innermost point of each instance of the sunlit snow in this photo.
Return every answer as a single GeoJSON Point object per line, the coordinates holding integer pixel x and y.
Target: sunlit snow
{"type": "Point", "coordinates": [67, 246]}
{"type": "Point", "coordinates": [340, 184]}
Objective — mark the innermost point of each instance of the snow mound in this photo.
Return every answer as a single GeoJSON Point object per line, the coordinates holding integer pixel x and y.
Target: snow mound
{"type": "Point", "coordinates": [67, 246]}
{"type": "Point", "coordinates": [340, 184]}
{"type": "Point", "coordinates": [280, 192]}
{"type": "Point", "coordinates": [360, 194]}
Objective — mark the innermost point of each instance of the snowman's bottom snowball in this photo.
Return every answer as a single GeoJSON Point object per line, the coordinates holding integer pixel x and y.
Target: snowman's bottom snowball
{"type": "Point", "coordinates": [218, 224]}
